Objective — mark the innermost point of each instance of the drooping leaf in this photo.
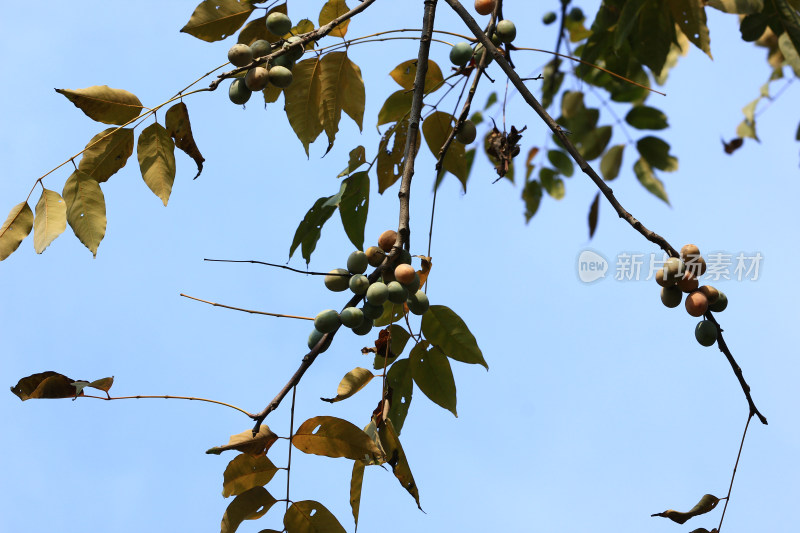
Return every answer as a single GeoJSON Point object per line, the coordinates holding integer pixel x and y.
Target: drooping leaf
{"type": "Point", "coordinates": [532, 196]}
{"type": "Point", "coordinates": [180, 129]}
{"type": "Point", "coordinates": [405, 72]}
{"type": "Point", "coordinates": [358, 157]}
{"type": "Point", "coordinates": [432, 374]}
{"type": "Point", "coordinates": [611, 162]}
{"type": "Point", "coordinates": [104, 104]}
{"type": "Point", "coordinates": [391, 162]}
{"type": "Point", "coordinates": [592, 145]}
{"type": "Point", "coordinates": [245, 472]}
{"type": "Point", "coordinates": [309, 230]}
{"type": "Point", "coordinates": [106, 153]}
{"type": "Point", "coordinates": [690, 16]}
{"type": "Point", "coordinates": [310, 517]}
{"type": "Point", "coordinates": [303, 100]}
{"type": "Point", "coordinates": [45, 385]}
{"type": "Point", "coordinates": [789, 16]}
{"type": "Point", "coordinates": [552, 183]}
{"type": "Point", "coordinates": [389, 345]}
{"type": "Point", "coordinates": [354, 207]}
{"type": "Point", "coordinates": [648, 179]}
{"type": "Point", "coordinates": [656, 152]}
{"type": "Point", "coordinates": [334, 437]}
{"type": "Point", "coordinates": [646, 118]}
{"type": "Point", "coordinates": [342, 89]}
{"type": "Point", "coordinates": [436, 129]}
{"type": "Point", "coordinates": [653, 35]}
{"type": "Point", "coordinates": [789, 52]}
{"type": "Point", "coordinates": [593, 213]}
{"type": "Point", "coordinates": [571, 104]}
{"type": "Point", "coordinates": [396, 458]}
{"type": "Point", "coordinates": [562, 161]}
{"type": "Point", "coordinates": [331, 10]}
{"type": "Point", "coordinates": [86, 209]}
{"type": "Point", "coordinates": [351, 383]}
{"type": "Point", "coordinates": [402, 384]}
{"type": "Point", "coordinates": [156, 153]}
{"type": "Point", "coordinates": [396, 108]}
{"type": "Point", "coordinates": [356, 481]}
{"type": "Point", "coordinates": [249, 505]}
{"type": "Point", "coordinates": [529, 166]}
{"type": "Point", "coordinates": [706, 504]}
{"type": "Point", "coordinates": [245, 442]}
{"type": "Point", "coordinates": [628, 17]}
{"type": "Point", "coordinates": [16, 227]}
{"type": "Point", "coordinates": [257, 28]}
{"type": "Point", "coordinates": [442, 327]}
{"type": "Point", "coordinates": [213, 20]}
{"type": "Point", "coordinates": [271, 94]}
{"type": "Point", "coordinates": [552, 78]}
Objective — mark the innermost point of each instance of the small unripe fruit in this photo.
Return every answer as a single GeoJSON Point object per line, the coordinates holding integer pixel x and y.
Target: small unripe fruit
{"type": "Point", "coordinates": [387, 239]}
{"type": "Point", "coordinates": [663, 280]}
{"type": "Point", "coordinates": [240, 54]}
{"type": "Point", "coordinates": [576, 14]}
{"type": "Point", "coordinates": [283, 61]}
{"type": "Point", "coordinates": [260, 48]}
{"type": "Point", "coordinates": [357, 262]}
{"type": "Point", "coordinates": [405, 257]}
{"type": "Point", "coordinates": [256, 79]}
{"type": "Point", "coordinates": [372, 312]}
{"type": "Point", "coordinates": [671, 296]}
{"type": "Point", "coordinates": [238, 93]}
{"type": "Point", "coordinates": [479, 51]}
{"type": "Point", "coordinates": [375, 256]}
{"type": "Point", "coordinates": [279, 23]}
{"type": "Point", "coordinates": [397, 293]}
{"type": "Point", "coordinates": [364, 328]}
{"type": "Point", "coordinates": [327, 321]}
{"type": "Point", "coordinates": [388, 276]}
{"type": "Point", "coordinates": [688, 283]}
{"type": "Point", "coordinates": [495, 40]}
{"type": "Point", "coordinates": [460, 54]}
{"type": "Point", "coordinates": [720, 304]}
{"type": "Point", "coordinates": [414, 285]}
{"type": "Point", "coordinates": [506, 31]}
{"type": "Point", "coordinates": [711, 293]}
{"type": "Point", "coordinates": [418, 303]}
{"type": "Point", "coordinates": [377, 293]}
{"type": "Point", "coordinates": [280, 76]}
{"type": "Point", "coordinates": [549, 18]}
{"type": "Point", "coordinates": [295, 52]}
{"type": "Point", "coordinates": [705, 332]}
{"type": "Point", "coordinates": [359, 284]}
{"type": "Point", "coordinates": [484, 7]}
{"type": "Point", "coordinates": [404, 274]}
{"type": "Point", "coordinates": [337, 283]}
{"type": "Point", "coordinates": [313, 339]}
{"type": "Point", "coordinates": [696, 303]}
{"type": "Point", "coordinates": [352, 317]}
{"type": "Point", "coordinates": [466, 133]}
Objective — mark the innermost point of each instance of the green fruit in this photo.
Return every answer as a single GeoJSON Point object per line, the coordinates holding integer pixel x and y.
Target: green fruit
{"type": "Point", "coordinates": [280, 77]}
{"type": "Point", "coordinates": [418, 303]}
{"type": "Point", "coordinates": [260, 48]}
{"type": "Point", "coordinates": [720, 304]}
{"type": "Point", "coordinates": [372, 312]}
{"type": "Point", "coordinates": [397, 293]}
{"type": "Point", "coordinates": [240, 54]}
{"type": "Point", "coordinates": [359, 284]}
{"type": "Point", "coordinates": [375, 256]}
{"type": "Point", "coordinates": [466, 133]}
{"type": "Point", "coordinates": [279, 23]}
{"type": "Point", "coordinates": [313, 339]}
{"type": "Point", "coordinates": [256, 79]}
{"type": "Point", "coordinates": [337, 283]}
{"type": "Point", "coordinates": [283, 61]}
{"type": "Point", "coordinates": [460, 54]}
{"type": "Point", "coordinates": [352, 317]}
{"type": "Point", "coordinates": [295, 52]}
{"type": "Point", "coordinates": [405, 257]}
{"type": "Point", "coordinates": [364, 328]}
{"type": "Point", "coordinates": [238, 92]}
{"type": "Point", "coordinates": [576, 14]}
{"type": "Point", "coordinates": [506, 31]}
{"type": "Point", "coordinates": [479, 51]}
{"type": "Point", "coordinates": [327, 321]}
{"type": "Point", "coordinates": [496, 39]}
{"type": "Point", "coordinates": [671, 296]}
{"type": "Point", "coordinates": [414, 285]}
{"type": "Point", "coordinates": [377, 293]}
{"type": "Point", "coordinates": [705, 332]}
{"type": "Point", "coordinates": [358, 262]}
{"type": "Point", "coordinates": [549, 18]}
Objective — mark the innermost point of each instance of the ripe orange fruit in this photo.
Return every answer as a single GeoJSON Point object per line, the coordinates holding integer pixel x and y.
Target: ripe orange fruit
{"type": "Point", "coordinates": [484, 7]}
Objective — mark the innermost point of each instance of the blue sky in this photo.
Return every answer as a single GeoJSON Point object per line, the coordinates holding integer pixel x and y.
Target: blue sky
{"type": "Point", "coordinates": [599, 408]}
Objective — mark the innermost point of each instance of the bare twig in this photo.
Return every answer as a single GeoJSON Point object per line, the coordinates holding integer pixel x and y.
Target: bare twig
{"type": "Point", "coordinates": [738, 456]}
{"type": "Point", "coordinates": [143, 397]}
{"type": "Point", "coordinates": [279, 315]}
{"type": "Point", "coordinates": [276, 266]}
{"type": "Point", "coordinates": [291, 436]}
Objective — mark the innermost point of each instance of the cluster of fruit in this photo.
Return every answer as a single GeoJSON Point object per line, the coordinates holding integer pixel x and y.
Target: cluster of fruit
{"type": "Point", "coordinates": [398, 285]}
{"type": "Point", "coordinates": [279, 70]}
{"type": "Point", "coordinates": [681, 275]}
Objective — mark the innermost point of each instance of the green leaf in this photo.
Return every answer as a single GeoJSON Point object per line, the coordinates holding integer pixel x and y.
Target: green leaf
{"type": "Point", "coordinates": [351, 383]}
{"type": "Point", "coordinates": [354, 207]}
{"type": "Point", "coordinates": [390, 162]}
{"type": "Point", "coordinates": [106, 153]}
{"type": "Point", "coordinates": [396, 458]}
{"type": "Point", "coordinates": [399, 379]}
{"type": "Point", "coordinates": [303, 101]}
{"type": "Point", "coordinates": [789, 13]}
{"type": "Point", "coordinates": [391, 314]}
{"type": "Point", "coordinates": [592, 145]}
{"type": "Point", "coordinates": [310, 517]}
{"type": "Point", "coordinates": [256, 29]}
{"type": "Point", "coordinates": [396, 107]}
{"type": "Point", "coordinates": [690, 15]}
{"type": "Point", "coordinates": [180, 129]}
{"type": "Point", "coordinates": [45, 385]}
{"type": "Point", "coordinates": [334, 437]}
{"type": "Point", "coordinates": [250, 505]}
{"type": "Point", "coordinates": [656, 152]}
{"type": "Point", "coordinates": [436, 128]}
{"type": "Point", "coordinates": [742, 7]}
{"type": "Point", "coordinates": [50, 221]}
{"type": "Point", "coordinates": [628, 17]}
{"type": "Point", "coordinates": [649, 180]}
{"type": "Point", "coordinates": [611, 162]}
{"type": "Point", "coordinates": [707, 503]}
{"type": "Point", "coordinates": [405, 72]}
{"type": "Point", "coordinates": [571, 104]}
{"type": "Point", "coordinates": [14, 230]}
{"type": "Point", "coordinates": [561, 161]}
{"type": "Point", "coordinates": [245, 442]}
{"type": "Point", "coordinates": [342, 88]}
{"type": "Point", "coordinates": [309, 230]}
{"type": "Point", "coordinates": [213, 20]}
{"type": "Point", "coordinates": [552, 183]}
{"type": "Point", "coordinates": [356, 481]}
{"type": "Point", "coordinates": [246, 472]}
{"type": "Point", "coordinates": [553, 77]}
{"type": "Point", "coordinates": [358, 157]}
{"type": "Point", "coordinates": [593, 214]}
{"type": "Point", "coordinates": [646, 118]}
{"type": "Point", "coordinates": [104, 104]}
{"type": "Point", "coordinates": [753, 26]}
{"type": "Point", "coordinates": [432, 374]}
{"type": "Point", "coordinates": [86, 209]}
{"type": "Point", "coordinates": [653, 35]}
{"type": "Point", "coordinates": [331, 10]}
{"type": "Point", "coordinates": [156, 153]}
{"type": "Point", "coordinates": [444, 328]}
{"type": "Point", "coordinates": [532, 196]}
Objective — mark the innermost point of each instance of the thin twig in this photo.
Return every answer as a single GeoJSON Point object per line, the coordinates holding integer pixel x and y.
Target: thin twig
{"type": "Point", "coordinates": [143, 397]}
{"type": "Point", "coordinates": [276, 266]}
{"type": "Point", "coordinates": [291, 435]}
{"type": "Point", "coordinates": [279, 315]}
{"type": "Point", "coordinates": [738, 456]}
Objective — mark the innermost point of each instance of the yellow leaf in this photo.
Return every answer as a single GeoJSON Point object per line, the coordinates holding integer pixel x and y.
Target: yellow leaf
{"type": "Point", "coordinates": [104, 104]}
{"type": "Point", "coordinates": [334, 437]}
{"type": "Point", "coordinates": [303, 98]}
{"type": "Point", "coordinates": [14, 230]}
{"type": "Point", "coordinates": [213, 20]}
{"type": "Point", "coordinates": [50, 221]}
{"type": "Point", "coordinates": [351, 383]}
{"type": "Point", "coordinates": [250, 505]}
{"type": "Point", "coordinates": [356, 481]}
{"type": "Point", "coordinates": [396, 457]}
{"type": "Point", "coordinates": [156, 153]}
{"type": "Point", "coordinates": [245, 442]}
{"type": "Point", "coordinates": [246, 472]}
{"type": "Point", "coordinates": [180, 129]}
{"type": "Point", "coordinates": [310, 517]}
{"type": "Point", "coordinates": [86, 209]}
{"type": "Point", "coordinates": [331, 10]}
{"type": "Point", "coordinates": [106, 153]}
{"type": "Point", "coordinates": [405, 72]}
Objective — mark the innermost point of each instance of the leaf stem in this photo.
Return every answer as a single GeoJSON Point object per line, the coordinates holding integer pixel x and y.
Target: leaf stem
{"type": "Point", "coordinates": [166, 397]}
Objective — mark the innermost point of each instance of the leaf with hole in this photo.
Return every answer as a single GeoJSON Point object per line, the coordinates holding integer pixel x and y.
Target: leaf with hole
{"type": "Point", "coordinates": [310, 517]}
{"type": "Point", "coordinates": [396, 458]}
{"type": "Point", "coordinates": [334, 437]}
{"type": "Point", "coordinates": [706, 504]}
{"type": "Point", "coordinates": [249, 505]}
{"type": "Point", "coordinates": [400, 380]}
{"type": "Point", "coordinates": [180, 129]}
